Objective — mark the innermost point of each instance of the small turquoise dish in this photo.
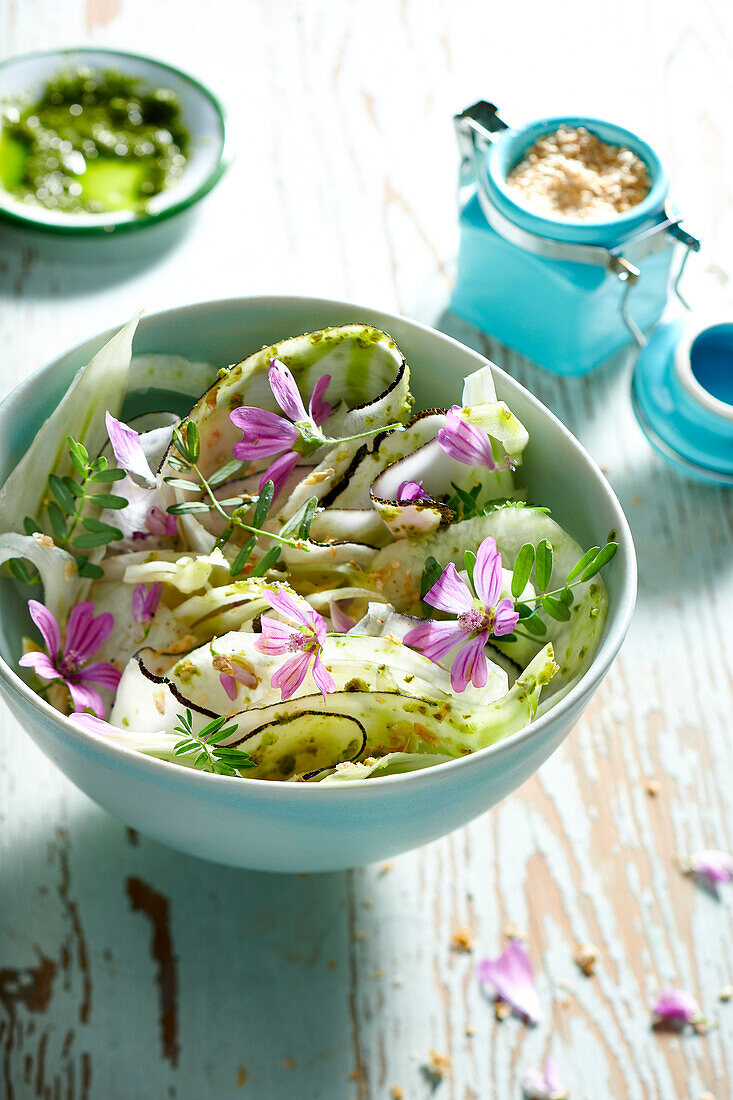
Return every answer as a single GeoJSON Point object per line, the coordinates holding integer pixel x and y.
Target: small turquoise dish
{"type": "Point", "coordinates": [297, 827]}
{"type": "Point", "coordinates": [682, 394]}
{"type": "Point", "coordinates": [566, 293]}
{"type": "Point", "coordinates": [208, 155]}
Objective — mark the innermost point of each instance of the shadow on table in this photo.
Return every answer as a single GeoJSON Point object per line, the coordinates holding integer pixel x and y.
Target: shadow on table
{"type": "Point", "coordinates": [36, 265]}
{"type": "Point", "coordinates": [183, 978]}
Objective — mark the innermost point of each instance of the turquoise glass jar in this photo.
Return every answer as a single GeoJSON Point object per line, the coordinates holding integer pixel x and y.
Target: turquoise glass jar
{"type": "Point", "coordinates": [566, 293]}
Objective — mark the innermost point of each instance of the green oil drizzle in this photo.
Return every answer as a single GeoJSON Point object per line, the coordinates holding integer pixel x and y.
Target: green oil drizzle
{"type": "Point", "coordinates": [94, 142]}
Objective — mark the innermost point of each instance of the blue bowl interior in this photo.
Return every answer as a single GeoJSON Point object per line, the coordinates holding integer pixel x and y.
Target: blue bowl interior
{"type": "Point", "coordinates": [711, 362]}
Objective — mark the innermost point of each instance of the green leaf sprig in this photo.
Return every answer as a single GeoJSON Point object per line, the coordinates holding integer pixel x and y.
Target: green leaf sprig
{"type": "Point", "coordinates": [68, 497]}
{"type": "Point", "coordinates": [294, 533]}
{"type": "Point", "coordinates": [557, 602]}
{"type": "Point", "coordinates": [209, 754]}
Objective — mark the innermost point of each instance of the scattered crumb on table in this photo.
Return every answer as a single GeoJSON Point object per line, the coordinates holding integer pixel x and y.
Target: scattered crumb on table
{"type": "Point", "coordinates": [586, 957]}
{"type": "Point", "coordinates": [289, 1062]}
{"type": "Point", "coordinates": [241, 1077]}
{"type": "Point", "coordinates": [462, 939]}
{"type": "Point", "coordinates": [652, 787]}
{"type": "Point", "coordinates": [397, 1092]}
{"type": "Point", "coordinates": [501, 1010]}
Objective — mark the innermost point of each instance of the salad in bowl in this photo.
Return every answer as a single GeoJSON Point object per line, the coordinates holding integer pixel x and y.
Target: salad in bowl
{"type": "Point", "coordinates": [302, 578]}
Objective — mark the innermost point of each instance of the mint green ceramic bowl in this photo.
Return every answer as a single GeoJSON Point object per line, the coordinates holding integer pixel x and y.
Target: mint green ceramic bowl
{"type": "Point", "coordinates": [301, 827]}
{"type": "Point", "coordinates": [208, 156]}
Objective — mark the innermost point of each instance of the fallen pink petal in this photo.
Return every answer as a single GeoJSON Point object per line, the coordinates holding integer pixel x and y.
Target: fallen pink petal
{"type": "Point", "coordinates": [676, 1006]}
{"type": "Point", "coordinates": [513, 981]}
{"type": "Point", "coordinates": [412, 490]}
{"type": "Point", "coordinates": [128, 451]}
{"type": "Point", "coordinates": [544, 1084]}
{"type": "Point", "coordinates": [712, 863]}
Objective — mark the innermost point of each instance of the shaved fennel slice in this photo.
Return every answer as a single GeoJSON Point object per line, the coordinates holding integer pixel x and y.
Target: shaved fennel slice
{"type": "Point", "coordinates": [356, 524]}
{"type": "Point", "coordinates": [171, 373]}
{"type": "Point", "coordinates": [394, 763]}
{"type": "Point", "coordinates": [59, 577]}
{"type": "Point", "coordinates": [479, 388]}
{"type": "Point", "coordinates": [366, 465]}
{"type": "Point", "coordinates": [368, 375]}
{"type": "Point", "coordinates": [187, 574]}
{"type": "Point", "coordinates": [397, 570]}
{"type": "Point", "coordinates": [303, 745]}
{"type": "Point", "coordinates": [99, 386]}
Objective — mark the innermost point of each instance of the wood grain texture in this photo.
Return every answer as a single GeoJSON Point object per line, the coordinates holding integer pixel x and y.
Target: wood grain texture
{"type": "Point", "coordinates": [127, 970]}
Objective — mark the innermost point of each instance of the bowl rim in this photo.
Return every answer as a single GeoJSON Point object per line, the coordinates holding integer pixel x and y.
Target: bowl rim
{"type": "Point", "coordinates": [174, 774]}
{"type": "Point", "coordinates": [104, 228]}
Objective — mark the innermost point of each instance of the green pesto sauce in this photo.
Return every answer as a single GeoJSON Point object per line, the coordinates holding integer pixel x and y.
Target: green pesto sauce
{"type": "Point", "coordinates": [94, 142]}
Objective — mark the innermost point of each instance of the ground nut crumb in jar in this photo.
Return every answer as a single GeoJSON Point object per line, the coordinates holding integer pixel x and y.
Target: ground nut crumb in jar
{"type": "Point", "coordinates": [571, 173]}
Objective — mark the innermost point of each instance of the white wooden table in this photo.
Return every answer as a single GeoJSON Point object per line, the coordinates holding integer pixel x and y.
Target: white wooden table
{"type": "Point", "coordinates": [128, 971]}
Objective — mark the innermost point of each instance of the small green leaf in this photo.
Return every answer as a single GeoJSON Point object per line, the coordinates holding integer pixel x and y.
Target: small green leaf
{"type": "Point", "coordinates": [602, 558]}
{"type": "Point", "coordinates": [524, 610]}
{"type": "Point", "coordinates": [508, 638]}
{"type": "Point", "coordinates": [189, 508]}
{"type": "Point", "coordinates": [566, 596]}
{"type": "Point", "coordinates": [522, 569]}
{"type": "Point", "coordinates": [267, 492]}
{"type": "Point", "coordinates": [182, 483]}
{"type": "Point", "coordinates": [87, 568]}
{"type": "Point", "coordinates": [108, 475]}
{"type": "Point", "coordinates": [30, 526]}
{"type": "Point", "coordinates": [242, 557]}
{"type": "Point", "coordinates": [74, 487]}
{"type": "Point", "coordinates": [534, 625]}
{"type": "Point", "coordinates": [109, 500]}
{"type": "Point", "coordinates": [226, 472]}
{"type": "Point", "coordinates": [556, 609]}
{"type": "Point", "coordinates": [177, 464]}
{"type": "Point", "coordinates": [309, 513]}
{"type": "Point", "coordinates": [469, 561]}
{"type": "Point", "coordinates": [62, 494]}
{"type": "Point", "coordinates": [58, 521]}
{"type": "Point", "coordinates": [19, 569]}
{"type": "Point", "coordinates": [94, 538]}
{"type": "Point", "coordinates": [543, 565]}
{"type": "Point", "coordinates": [98, 465]}
{"type": "Point", "coordinates": [99, 527]}
{"type": "Point", "coordinates": [431, 574]}
{"type": "Point", "coordinates": [192, 440]}
{"type": "Point", "coordinates": [267, 562]}
{"type": "Point", "coordinates": [78, 449]}
{"type": "Point", "coordinates": [577, 569]}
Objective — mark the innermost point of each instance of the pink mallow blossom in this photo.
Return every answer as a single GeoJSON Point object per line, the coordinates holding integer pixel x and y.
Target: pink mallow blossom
{"type": "Point", "coordinates": [412, 490]}
{"type": "Point", "coordinates": [477, 618]}
{"type": "Point", "coordinates": [340, 621]}
{"type": "Point", "coordinates": [676, 1007]}
{"type": "Point", "coordinates": [305, 640]}
{"type": "Point", "coordinates": [289, 437]}
{"type": "Point", "coordinates": [513, 980]}
{"type": "Point", "coordinates": [85, 633]}
{"type": "Point", "coordinates": [232, 673]}
{"type": "Point", "coordinates": [465, 442]}
{"type": "Point", "coordinates": [712, 863]}
{"type": "Point", "coordinates": [128, 451]}
{"type": "Point", "coordinates": [544, 1084]}
{"type": "Point", "coordinates": [158, 523]}
{"type": "Point", "coordinates": [145, 601]}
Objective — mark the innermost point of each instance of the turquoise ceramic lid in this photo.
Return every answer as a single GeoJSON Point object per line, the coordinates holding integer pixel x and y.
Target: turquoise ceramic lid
{"type": "Point", "coordinates": [682, 393]}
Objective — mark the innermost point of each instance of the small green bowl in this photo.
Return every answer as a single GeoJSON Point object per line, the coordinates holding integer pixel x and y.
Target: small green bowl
{"type": "Point", "coordinates": [209, 153]}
